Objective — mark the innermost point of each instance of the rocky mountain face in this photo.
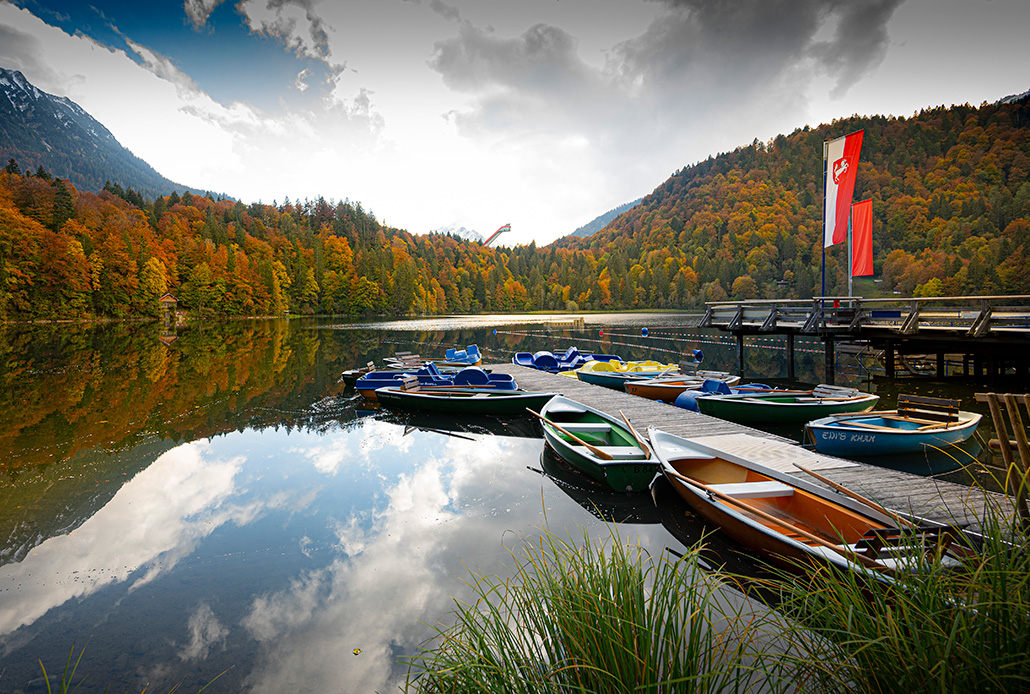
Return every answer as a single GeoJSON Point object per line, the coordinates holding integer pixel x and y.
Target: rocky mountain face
{"type": "Point", "coordinates": [40, 129]}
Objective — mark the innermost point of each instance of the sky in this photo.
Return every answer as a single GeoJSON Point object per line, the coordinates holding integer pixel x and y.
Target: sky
{"type": "Point", "coordinates": [542, 114]}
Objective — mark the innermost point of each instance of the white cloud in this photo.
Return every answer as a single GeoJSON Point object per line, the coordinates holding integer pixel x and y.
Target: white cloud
{"type": "Point", "coordinates": [199, 10]}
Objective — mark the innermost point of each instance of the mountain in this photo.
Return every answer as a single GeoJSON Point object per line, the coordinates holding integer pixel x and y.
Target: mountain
{"type": "Point", "coordinates": [460, 232]}
{"type": "Point", "coordinates": [40, 129]}
{"type": "Point", "coordinates": [600, 222]}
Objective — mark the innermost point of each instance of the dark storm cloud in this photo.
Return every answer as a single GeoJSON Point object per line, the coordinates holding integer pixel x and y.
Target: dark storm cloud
{"type": "Point", "coordinates": [860, 41]}
{"type": "Point", "coordinates": [752, 40]}
{"type": "Point", "coordinates": [543, 59]}
{"type": "Point", "coordinates": [448, 12]}
{"type": "Point", "coordinates": [534, 82]}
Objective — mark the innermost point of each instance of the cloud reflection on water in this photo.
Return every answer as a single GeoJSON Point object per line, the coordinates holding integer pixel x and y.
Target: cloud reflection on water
{"type": "Point", "coordinates": [399, 571]}
{"type": "Point", "coordinates": [155, 520]}
{"type": "Point", "coordinates": [279, 553]}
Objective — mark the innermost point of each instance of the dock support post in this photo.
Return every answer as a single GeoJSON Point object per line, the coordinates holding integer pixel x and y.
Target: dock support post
{"type": "Point", "coordinates": [830, 366]}
{"type": "Point", "coordinates": [790, 356]}
{"type": "Point", "coordinates": [888, 358]}
{"type": "Point", "coordinates": [740, 354]}
{"type": "Point", "coordinates": [940, 365]}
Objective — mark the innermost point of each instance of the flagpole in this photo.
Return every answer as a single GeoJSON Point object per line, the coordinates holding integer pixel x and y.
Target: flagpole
{"type": "Point", "coordinates": [825, 156]}
{"type": "Point", "coordinates": [851, 252]}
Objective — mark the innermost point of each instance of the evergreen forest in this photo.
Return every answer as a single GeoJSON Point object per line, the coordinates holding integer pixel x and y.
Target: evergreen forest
{"type": "Point", "coordinates": [951, 203]}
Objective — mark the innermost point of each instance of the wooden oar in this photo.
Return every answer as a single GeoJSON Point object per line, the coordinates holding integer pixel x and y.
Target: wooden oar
{"type": "Point", "coordinates": [593, 449]}
{"type": "Point", "coordinates": [855, 495]}
{"type": "Point", "coordinates": [848, 554]}
{"type": "Point", "coordinates": [636, 436]}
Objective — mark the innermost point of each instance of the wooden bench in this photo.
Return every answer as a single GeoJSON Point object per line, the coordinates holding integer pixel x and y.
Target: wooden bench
{"type": "Point", "coordinates": [618, 453]}
{"type": "Point", "coordinates": [587, 427]}
{"type": "Point", "coordinates": [410, 383]}
{"type": "Point", "coordinates": [754, 490]}
{"type": "Point", "coordinates": [929, 409]}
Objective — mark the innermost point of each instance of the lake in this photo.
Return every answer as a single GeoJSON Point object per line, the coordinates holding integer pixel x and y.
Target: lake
{"type": "Point", "coordinates": [186, 502]}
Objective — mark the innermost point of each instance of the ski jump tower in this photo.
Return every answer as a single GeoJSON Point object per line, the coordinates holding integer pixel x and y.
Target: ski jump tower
{"type": "Point", "coordinates": [506, 227]}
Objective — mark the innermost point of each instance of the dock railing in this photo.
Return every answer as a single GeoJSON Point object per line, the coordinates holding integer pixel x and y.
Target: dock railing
{"type": "Point", "coordinates": [973, 316]}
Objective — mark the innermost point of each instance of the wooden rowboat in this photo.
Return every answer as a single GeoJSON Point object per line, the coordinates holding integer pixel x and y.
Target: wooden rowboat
{"type": "Point", "coordinates": [785, 407]}
{"type": "Point", "coordinates": [463, 401]}
{"type": "Point", "coordinates": [667, 389]}
{"type": "Point", "coordinates": [597, 444]}
{"type": "Point", "coordinates": [917, 423]}
{"type": "Point", "coordinates": [789, 520]}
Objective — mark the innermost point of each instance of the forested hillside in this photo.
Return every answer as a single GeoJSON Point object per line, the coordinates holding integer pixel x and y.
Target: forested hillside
{"type": "Point", "coordinates": [950, 191]}
{"type": "Point", "coordinates": [951, 204]}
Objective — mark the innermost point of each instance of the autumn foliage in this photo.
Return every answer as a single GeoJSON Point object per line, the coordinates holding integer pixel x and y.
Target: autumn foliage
{"type": "Point", "coordinates": [951, 205]}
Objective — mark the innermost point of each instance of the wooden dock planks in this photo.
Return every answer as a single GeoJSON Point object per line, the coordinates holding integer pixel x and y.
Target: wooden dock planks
{"type": "Point", "coordinates": [939, 500]}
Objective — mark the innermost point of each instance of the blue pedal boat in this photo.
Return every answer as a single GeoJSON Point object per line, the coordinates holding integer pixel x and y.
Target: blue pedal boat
{"type": "Point", "coordinates": [429, 376]}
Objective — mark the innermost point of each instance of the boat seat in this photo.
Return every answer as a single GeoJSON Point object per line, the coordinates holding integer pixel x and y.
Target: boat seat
{"type": "Point", "coordinates": [754, 490]}
{"type": "Point", "coordinates": [616, 452]}
{"type": "Point", "coordinates": [587, 427]}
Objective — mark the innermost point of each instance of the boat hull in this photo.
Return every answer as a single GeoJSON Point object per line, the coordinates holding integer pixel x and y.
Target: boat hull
{"type": "Point", "coordinates": [800, 504]}
{"type": "Point", "coordinates": [668, 391]}
{"type": "Point", "coordinates": [775, 409]}
{"type": "Point", "coordinates": [631, 470]}
{"type": "Point", "coordinates": [854, 436]}
{"type": "Point", "coordinates": [469, 401]}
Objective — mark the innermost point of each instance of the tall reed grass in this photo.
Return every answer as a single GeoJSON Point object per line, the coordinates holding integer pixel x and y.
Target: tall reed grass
{"type": "Point", "coordinates": [578, 617]}
{"type": "Point", "coordinates": [583, 618]}
{"type": "Point", "coordinates": [937, 629]}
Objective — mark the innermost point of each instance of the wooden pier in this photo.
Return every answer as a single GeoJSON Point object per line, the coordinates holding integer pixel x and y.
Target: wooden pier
{"type": "Point", "coordinates": [992, 333]}
{"type": "Point", "coordinates": [946, 502]}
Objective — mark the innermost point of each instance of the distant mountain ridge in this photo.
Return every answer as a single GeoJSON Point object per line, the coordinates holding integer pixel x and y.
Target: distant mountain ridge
{"type": "Point", "coordinates": [461, 232]}
{"type": "Point", "coordinates": [601, 222]}
{"type": "Point", "coordinates": [40, 129]}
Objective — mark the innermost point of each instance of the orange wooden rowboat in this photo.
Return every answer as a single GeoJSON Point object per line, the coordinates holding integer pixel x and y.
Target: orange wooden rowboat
{"type": "Point", "coordinates": [792, 521]}
{"type": "Point", "coordinates": [668, 389]}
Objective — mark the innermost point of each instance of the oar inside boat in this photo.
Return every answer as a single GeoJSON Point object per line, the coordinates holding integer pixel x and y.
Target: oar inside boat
{"type": "Point", "coordinates": [843, 550]}
{"type": "Point", "coordinates": [593, 449]}
{"type": "Point", "coordinates": [633, 431]}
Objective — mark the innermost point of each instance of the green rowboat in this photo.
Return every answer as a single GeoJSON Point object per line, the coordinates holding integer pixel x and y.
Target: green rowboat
{"type": "Point", "coordinates": [464, 401]}
{"type": "Point", "coordinates": [627, 467]}
{"type": "Point", "coordinates": [785, 407]}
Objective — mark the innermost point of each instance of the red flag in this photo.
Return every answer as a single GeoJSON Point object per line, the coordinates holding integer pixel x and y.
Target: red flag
{"type": "Point", "coordinates": [842, 165]}
{"type": "Point", "coordinates": [862, 238]}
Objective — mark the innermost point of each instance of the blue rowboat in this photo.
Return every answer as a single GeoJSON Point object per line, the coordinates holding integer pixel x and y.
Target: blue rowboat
{"type": "Point", "coordinates": [886, 433]}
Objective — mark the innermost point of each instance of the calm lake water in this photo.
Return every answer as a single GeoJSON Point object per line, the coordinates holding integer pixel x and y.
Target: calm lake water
{"type": "Point", "coordinates": [183, 503]}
